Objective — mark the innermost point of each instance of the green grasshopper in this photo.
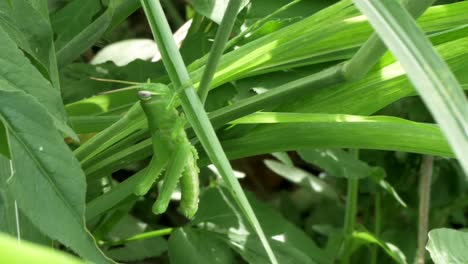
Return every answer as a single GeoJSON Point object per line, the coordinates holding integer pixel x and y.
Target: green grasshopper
{"type": "Point", "coordinates": [173, 152]}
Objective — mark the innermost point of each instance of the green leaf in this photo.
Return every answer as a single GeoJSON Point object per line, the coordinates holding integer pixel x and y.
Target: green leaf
{"type": "Point", "coordinates": [302, 178]}
{"type": "Point", "coordinates": [27, 23]}
{"type": "Point", "coordinates": [214, 9]}
{"type": "Point", "coordinates": [340, 163]}
{"type": "Point", "coordinates": [391, 250]}
{"type": "Point", "coordinates": [337, 162]}
{"type": "Point", "coordinates": [12, 220]}
{"type": "Point", "coordinates": [138, 249]}
{"type": "Point", "coordinates": [26, 252]}
{"type": "Point", "coordinates": [188, 245]}
{"type": "Point", "coordinates": [20, 74]}
{"type": "Point", "coordinates": [219, 214]}
{"type": "Point", "coordinates": [47, 180]}
{"type": "Point", "coordinates": [429, 74]}
{"type": "Point", "coordinates": [448, 246]}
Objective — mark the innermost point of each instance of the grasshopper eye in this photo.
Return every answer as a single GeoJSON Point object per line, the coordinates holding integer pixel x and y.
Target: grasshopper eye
{"type": "Point", "coordinates": [144, 95]}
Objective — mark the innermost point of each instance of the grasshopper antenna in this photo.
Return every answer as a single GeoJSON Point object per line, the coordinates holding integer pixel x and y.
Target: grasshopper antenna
{"type": "Point", "coordinates": [134, 85]}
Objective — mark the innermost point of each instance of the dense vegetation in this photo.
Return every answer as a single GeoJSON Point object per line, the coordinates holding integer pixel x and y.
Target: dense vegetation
{"type": "Point", "coordinates": [343, 152]}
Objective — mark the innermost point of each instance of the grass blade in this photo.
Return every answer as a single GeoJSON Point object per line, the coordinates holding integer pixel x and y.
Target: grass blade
{"type": "Point", "coordinates": [430, 75]}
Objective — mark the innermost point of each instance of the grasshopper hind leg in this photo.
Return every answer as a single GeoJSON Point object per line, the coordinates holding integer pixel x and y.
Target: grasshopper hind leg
{"type": "Point", "coordinates": [190, 186]}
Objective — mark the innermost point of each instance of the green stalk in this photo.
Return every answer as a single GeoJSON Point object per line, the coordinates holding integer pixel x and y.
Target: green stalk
{"type": "Point", "coordinates": [424, 199]}
{"type": "Point", "coordinates": [142, 236]}
{"type": "Point", "coordinates": [351, 211]}
{"type": "Point", "coordinates": [196, 115]}
{"type": "Point", "coordinates": [377, 225]}
{"type": "Point", "coordinates": [222, 36]}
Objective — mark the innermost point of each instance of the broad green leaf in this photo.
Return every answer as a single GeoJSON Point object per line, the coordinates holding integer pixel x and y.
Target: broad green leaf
{"type": "Point", "coordinates": [214, 9]}
{"type": "Point", "coordinates": [390, 249]}
{"type": "Point", "coordinates": [337, 162]}
{"type": "Point", "coordinates": [139, 250]}
{"type": "Point", "coordinates": [340, 163]}
{"type": "Point", "coordinates": [26, 252]}
{"type": "Point", "coordinates": [20, 74]}
{"type": "Point", "coordinates": [12, 220]}
{"type": "Point", "coordinates": [187, 245]}
{"type": "Point", "coordinates": [27, 23]}
{"type": "Point", "coordinates": [47, 182]}
{"type": "Point", "coordinates": [302, 178]}
{"type": "Point", "coordinates": [429, 74]}
{"type": "Point", "coordinates": [448, 246]}
{"type": "Point", "coordinates": [219, 214]}
{"type": "Point", "coordinates": [136, 250]}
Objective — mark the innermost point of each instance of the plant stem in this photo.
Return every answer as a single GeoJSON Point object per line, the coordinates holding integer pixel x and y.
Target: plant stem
{"type": "Point", "coordinates": [141, 236]}
{"type": "Point", "coordinates": [377, 225]}
{"type": "Point", "coordinates": [351, 211]}
{"type": "Point", "coordinates": [222, 36]}
{"type": "Point", "coordinates": [424, 199]}
{"type": "Point", "coordinates": [196, 114]}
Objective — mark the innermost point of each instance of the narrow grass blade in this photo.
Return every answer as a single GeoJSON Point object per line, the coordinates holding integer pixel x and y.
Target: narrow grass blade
{"type": "Point", "coordinates": [430, 75]}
